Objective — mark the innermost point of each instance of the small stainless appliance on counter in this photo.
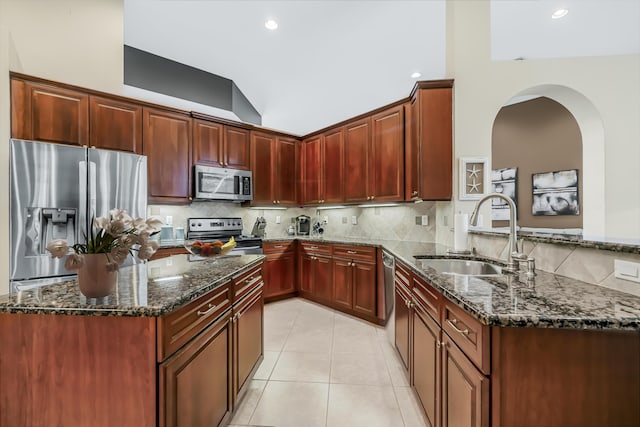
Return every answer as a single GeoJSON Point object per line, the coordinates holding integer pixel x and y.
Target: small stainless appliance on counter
{"type": "Point", "coordinates": [222, 184]}
{"type": "Point", "coordinates": [303, 225]}
{"type": "Point", "coordinates": [56, 190]}
{"type": "Point", "coordinates": [210, 229]}
{"type": "Point", "coordinates": [259, 227]}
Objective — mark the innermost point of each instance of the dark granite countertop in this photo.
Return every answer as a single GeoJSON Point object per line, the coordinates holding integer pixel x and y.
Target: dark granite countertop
{"type": "Point", "coordinates": [549, 301]}
{"type": "Point", "coordinates": [151, 289]}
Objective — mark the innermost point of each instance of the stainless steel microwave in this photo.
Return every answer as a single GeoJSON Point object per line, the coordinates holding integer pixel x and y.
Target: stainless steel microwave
{"type": "Point", "coordinates": [222, 184]}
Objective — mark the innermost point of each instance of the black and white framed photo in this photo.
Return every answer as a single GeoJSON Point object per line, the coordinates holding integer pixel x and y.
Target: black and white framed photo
{"type": "Point", "coordinates": [474, 177]}
{"type": "Point", "coordinates": [555, 193]}
{"type": "Point", "coordinates": [503, 181]}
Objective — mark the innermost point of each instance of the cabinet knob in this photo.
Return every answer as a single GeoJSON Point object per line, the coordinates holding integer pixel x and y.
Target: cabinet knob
{"type": "Point", "coordinates": [274, 202]}
{"type": "Point", "coordinates": [441, 344]}
{"type": "Point", "coordinates": [414, 193]}
{"type": "Point", "coordinates": [373, 197]}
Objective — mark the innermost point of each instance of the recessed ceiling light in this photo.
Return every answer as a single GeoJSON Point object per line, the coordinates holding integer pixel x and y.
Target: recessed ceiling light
{"type": "Point", "coordinates": [560, 13]}
{"type": "Point", "coordinates": [271, 25]}
{"type": "Point", "coordinates": [415, 75]}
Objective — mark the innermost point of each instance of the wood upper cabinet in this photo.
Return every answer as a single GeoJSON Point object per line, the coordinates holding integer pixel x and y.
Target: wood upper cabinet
{"type": "Point", "coordinates": [465, 391]}
{"type": "Point", "coordinates": [323, 180]}
{"type": "Point", "coordinates": [312, 170]}
{"type": "Point", "coordinates": [429, 144]}
{"type": "Point", "coordinates": [274, 165]}
{"type": "Point", "coordinates": [357, 149]}
{"type": "Point", "coordinates": [279, 269]}
{"type": "Point", "coordinates": [167, 144]}
{"type": "Point", "coordinates": [115, 124]}
{"type": "Point", "coordinates": [387, 155]}
{"type": "Point", "coordinates": [220, 145]}
{"type": "Point", "coordinates": [47, 113]}
{"type": "Point", "coordinates": [192, 392]}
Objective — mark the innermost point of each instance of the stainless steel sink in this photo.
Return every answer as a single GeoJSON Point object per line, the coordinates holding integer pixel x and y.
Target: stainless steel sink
{"type": "Point", "coordinates": [462, 267]}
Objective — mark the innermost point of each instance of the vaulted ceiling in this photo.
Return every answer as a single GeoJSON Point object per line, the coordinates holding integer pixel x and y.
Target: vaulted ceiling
{"type": "Point", "coordinates": [331, 60]}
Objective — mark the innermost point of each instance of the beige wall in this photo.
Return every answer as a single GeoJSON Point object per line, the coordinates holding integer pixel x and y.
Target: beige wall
{"type": "Point", "coordinates": [538, 135]}
{"type": "Point", "coordinates": [610, 83]}
{"type": "Point", "coordinates": [72, 41]}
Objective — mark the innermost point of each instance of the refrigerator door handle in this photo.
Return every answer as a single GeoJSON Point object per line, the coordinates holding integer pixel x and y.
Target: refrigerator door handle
{"type": "Point", "coordinates": [93, 192]}
{"type": "Point", "coordinates": [81, 234]}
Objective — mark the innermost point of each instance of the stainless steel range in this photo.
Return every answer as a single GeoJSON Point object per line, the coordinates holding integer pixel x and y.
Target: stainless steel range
{"type": "Point", "coordinates": [209, 229]}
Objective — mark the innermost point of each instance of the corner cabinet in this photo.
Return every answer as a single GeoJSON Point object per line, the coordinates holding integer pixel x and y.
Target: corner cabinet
{"type": "Point", "coordinates": [275, 172]}
{"type": "Point", "coordinates": [279, 269]}
{"type": "Point", "coordinates": [429, 142]}
{"type": "Point", "coordinates": [167, 144]}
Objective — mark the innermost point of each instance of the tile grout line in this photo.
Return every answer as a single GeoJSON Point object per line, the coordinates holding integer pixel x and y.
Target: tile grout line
{"type": "Point", "coordinates": [564, 260]}
{"type": "Point", "coordinates": [393, 388]}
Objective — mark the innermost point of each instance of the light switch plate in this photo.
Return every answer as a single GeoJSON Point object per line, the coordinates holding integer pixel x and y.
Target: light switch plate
{"type": "Point", "coordinates": [278, 219]}
{"type": "Point", "coordinates": [354, 220]}
{"type": "Point", "coordinates": [424, 219]}
{"type": "Point", "coordinates": [627, 270]}
{"type": "Point", "coordinates": [169, 220]}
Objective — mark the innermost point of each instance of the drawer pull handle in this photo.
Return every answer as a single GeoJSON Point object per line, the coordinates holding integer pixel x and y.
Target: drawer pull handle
{"type": "Point", "coordinates": [352, 252]}
{"type": "Point", "coordinates": [209, 310]}
{"type": "Point", "coordinates": [314, 247]}
{"type": "Point", "coordinates": [278, 246]}
{"type": "Point", "coordinates": [453, 325]}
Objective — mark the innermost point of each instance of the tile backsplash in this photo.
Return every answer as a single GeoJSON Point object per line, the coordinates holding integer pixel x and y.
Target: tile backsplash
{"type": "Point", "coordinates": [389, 222]}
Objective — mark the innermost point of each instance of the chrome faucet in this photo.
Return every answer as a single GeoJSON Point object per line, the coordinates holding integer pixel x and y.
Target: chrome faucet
{"type": "Point", "coordinates": [514, 255]}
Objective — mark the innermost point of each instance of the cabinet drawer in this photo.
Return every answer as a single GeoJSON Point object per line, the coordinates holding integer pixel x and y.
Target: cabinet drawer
{"type": "Point", "coordinates": [277, 247]}
{"type": "Point", "coordinates": [428, 298]}
{"type": "Point", "coordinates": [316, 248]}
{"type": "Point", "coordinates": [403, 275]}
{"type": "Point", "coordinates": [177, 328]}
{"type": "Point", "coordinates": [470, 335]}
{"type": "Point", "coordinates": [245, 282]}
{"type": "Point", "coordinates": [355, 252]}
{"type": "Point", "coordinates": [167, 252]}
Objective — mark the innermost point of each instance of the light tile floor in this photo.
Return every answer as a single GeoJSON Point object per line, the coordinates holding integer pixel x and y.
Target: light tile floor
{"type": "Point", "coordinates": [325, 368]}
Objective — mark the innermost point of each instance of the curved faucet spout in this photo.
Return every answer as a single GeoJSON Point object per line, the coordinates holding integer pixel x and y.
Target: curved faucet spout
{"type": "Point", "coordinates": [513, 237]}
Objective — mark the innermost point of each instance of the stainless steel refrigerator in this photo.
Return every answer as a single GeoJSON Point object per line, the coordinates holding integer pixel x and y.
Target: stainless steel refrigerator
{"type": "Point", "coordinates": [56, 190]}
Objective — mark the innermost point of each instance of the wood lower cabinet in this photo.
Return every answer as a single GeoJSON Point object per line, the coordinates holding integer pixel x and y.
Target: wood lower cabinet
{"type": "Point", "coordinates": [402, 324]}
{"type": "Point", "coordinates": [279, 269]}
{"type": "Point", "coordinates": [47, 113]}
{"type": "Point", "coordinates": [195, 382]}
{"type": "Point", "coordinates": [465, 391]}
{"type": "Point", "coordinates": [426, 377]}
{"type": "Point", "coordinates": [167, 144]}
{"type": "Point", "coordinates": [115, 124]}
{"type": "Point", "coordinates": [342, 283]}
{"type": "Point", "coordinates": [248, 344]}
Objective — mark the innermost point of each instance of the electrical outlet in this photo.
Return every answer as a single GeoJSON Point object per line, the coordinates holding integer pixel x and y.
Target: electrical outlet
{"type": "Point", "coordinates": [326, 219]}
{"type": "Point", "coordinates": [345, 220]}
{"type": "Point", "coordinates": [418, 220]}
{"type": "Point", "coordinates": [424, 220]}
{"type": "Point", "coordinates": [445, 220]}
{"type": "Point", "coordinates": [627, 270]}
{"type": "Point", "coordinates": [354, 220]}
{"type": "Point", "coordinates": [278, 219]}
{"type": "Point", "coordinates": [169, 220]}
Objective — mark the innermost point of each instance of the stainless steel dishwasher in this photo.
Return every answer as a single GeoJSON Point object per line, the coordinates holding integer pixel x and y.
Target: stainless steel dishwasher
{"type": "Point", "coordinates": [389, 263]}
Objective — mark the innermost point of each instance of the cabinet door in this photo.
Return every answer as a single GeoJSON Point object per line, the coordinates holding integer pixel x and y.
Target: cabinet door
{"type": "Point", "coordinates": [311, 183]}
{"type": "Point", "coordinates": [411, 153]}
{"type": "Point", "coordinates": [426, 364]}
{"type": "Point", "coordinates": [248, 342]}
{"type": "Point", "coordinates": [236, 148]}
{"type": "Point", "coordinates": [44, 113]}
{"type": "Point", "coordinates": [342, 278]}
{"type": "Point", "coordinates": [387, 155]}
{"type": "Point", "coordinates": [322, 278]}
{"type": "Point", "coordinates": [305, 273]}
{"type": "Point", "coordinates": [207, 143]}
{"type": "Point", "coordinates": [285, 173]}
{"type": "Point", "coordinates": [465, 391]}
{"type": "Point", "coordinates": [115, 124]}
{"type": "Point", "coordinates": [435, 139]}
{"type": "Point", "coordinates": [357, 146]}
{"type": "Point", "coordinates": [263, 168]}
{"type": "Point", "coordinates": [402, 326]}
{"type": "Point", "coordinates": [279, 273]}
{"type": "Point", "coordinates": [364, 287]}
{"type": "Point", "coordinates": [195, 382]}
{"type": "Point", "coordinates": [167, 144]}
{"type": "Point", "coordinates": [333, 166]}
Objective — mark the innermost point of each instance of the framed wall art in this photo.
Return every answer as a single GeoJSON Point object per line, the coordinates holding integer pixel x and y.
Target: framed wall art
{"type": "Point", "coordinates": [555, 193]}
{"type": "Point", "coordinates": [503, 181]}
{"type": "Point", "coordinates": [474, 178]}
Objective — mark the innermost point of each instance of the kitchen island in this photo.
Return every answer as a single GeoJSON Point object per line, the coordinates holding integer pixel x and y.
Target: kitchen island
{"type": "Point", "coordinates": [173, 345]}
{"type": "Point", "coordinates": [510, 351]}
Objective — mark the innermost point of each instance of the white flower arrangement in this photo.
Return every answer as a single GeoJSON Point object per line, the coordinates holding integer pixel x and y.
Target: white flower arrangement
{"type": "Point", "coordinates": [116, 237]}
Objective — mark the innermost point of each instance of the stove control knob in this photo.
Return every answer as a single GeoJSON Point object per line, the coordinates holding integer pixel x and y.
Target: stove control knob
{"type": "Point", "coordinates": [199, 224]}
